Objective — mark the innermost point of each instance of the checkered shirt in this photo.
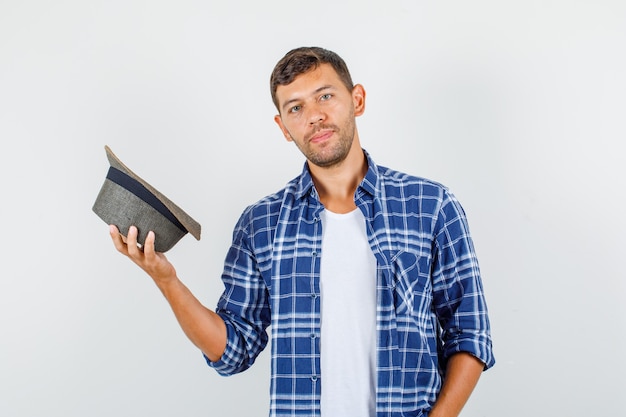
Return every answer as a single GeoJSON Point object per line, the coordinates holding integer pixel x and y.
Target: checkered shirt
{"type": "Point", "coordinates": [430, 301]}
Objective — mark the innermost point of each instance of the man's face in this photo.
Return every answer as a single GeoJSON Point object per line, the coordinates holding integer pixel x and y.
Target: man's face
{"type": "Point", "coordinates": [317, 113]}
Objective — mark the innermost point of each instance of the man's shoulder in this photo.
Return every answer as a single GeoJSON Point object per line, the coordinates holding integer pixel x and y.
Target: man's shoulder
{"type": "Point", "coordinates": [392, 180]}
{"type": "Point", "coordinates": [270, 205]}
{"type": "Point", "coordinates": [279, 196]}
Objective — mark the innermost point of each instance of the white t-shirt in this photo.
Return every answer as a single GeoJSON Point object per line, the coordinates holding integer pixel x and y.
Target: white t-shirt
{"type": "Point", "coordinates": [348, 317]}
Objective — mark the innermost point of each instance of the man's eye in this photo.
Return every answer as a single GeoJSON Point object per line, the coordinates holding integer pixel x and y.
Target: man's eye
{"type": "Point", "coordinates": [325, 97]}
{"type": "Point", "coordinates": [295, 109]}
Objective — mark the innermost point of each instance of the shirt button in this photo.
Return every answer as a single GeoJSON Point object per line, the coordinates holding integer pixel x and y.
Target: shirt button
{"type": "Point", "coordinates": [313, 378]}
{"type": "Point", "coordinates": [314, 253]}
{"type": "Point", "coordinates": [314, 296]}
{"type": "Point", "coordinates": [313, 336]}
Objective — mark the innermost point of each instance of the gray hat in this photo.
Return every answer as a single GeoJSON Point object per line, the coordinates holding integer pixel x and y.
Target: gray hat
{"type": "Point", "coordinates": [126, 200]}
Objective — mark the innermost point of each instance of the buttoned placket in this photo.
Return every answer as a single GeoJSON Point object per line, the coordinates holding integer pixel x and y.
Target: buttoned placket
{"type": "Point", "coordinates": [384, 293]}
{"type": "Point", "coordinates": [316, 290]}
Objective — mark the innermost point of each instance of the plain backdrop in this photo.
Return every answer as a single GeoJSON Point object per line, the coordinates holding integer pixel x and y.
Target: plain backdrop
{"type": "Point", "coordinates": [517, 106]}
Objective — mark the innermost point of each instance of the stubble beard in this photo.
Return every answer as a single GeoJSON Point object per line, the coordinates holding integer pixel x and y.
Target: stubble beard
{"type": "Point", "coordinates": [331, 153]}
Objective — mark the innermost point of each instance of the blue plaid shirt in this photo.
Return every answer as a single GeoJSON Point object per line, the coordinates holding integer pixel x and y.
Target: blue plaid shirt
{"type": "Point", "coordinates": [429, 292]}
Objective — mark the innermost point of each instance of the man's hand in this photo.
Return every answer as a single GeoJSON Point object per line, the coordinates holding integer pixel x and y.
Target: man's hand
{"type": "Point", "coordinates": [153, 263]}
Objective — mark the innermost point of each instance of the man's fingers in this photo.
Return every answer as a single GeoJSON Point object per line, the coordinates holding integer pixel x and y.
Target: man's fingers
{"type": "Point", "coordinates": [126, 244]}
{"type": "Point", "coordinates": [131, 242]}
{"type": "Point", "coordinates": [148, 247]}
{"type": "Point", "coordinates": [118, 240]}
{"type": "Point", "coordinates": [148, 259]}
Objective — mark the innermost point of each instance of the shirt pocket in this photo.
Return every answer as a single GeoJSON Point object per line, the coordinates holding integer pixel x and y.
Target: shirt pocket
{"type": "Point", "coordinates": [412, 289]}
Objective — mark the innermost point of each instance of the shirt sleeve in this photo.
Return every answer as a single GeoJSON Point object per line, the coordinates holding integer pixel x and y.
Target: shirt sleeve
{"type": "Point", "coordinates": [458, 294]}
{"type": "Point", "coordinates": [243, 306]}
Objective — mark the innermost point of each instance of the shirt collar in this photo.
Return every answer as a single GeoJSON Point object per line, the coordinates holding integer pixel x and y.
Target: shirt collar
{"type": "Point", "coordinates": [369, 183]}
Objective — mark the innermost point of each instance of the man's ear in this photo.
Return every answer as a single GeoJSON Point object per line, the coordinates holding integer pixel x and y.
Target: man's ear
{"type": "Point", "coordinates": [279, 122]}
{"type": "Point", "coordinates": [358, 98]}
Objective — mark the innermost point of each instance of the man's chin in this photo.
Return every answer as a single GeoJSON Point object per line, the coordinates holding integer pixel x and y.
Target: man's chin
{"type": "Point", "coordinates": [327, 162]}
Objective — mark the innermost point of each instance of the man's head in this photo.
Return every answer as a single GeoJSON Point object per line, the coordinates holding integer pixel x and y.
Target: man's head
{"type": "Point", "coordinates": [301, 60]}
{"type": "Point", "coordinates": [317, 105]}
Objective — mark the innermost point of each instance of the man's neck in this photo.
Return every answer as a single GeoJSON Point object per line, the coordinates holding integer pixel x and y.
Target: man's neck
{"type": "Point", "coordinates": [336, 185]}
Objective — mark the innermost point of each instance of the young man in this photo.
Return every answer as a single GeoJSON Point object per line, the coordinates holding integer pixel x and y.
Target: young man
{"type": "Point", "coordinates": [368, 276]}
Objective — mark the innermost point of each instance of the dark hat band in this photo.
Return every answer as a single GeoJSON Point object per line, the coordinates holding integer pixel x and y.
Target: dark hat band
{"type": "Point", "coordinates": [135, 187]}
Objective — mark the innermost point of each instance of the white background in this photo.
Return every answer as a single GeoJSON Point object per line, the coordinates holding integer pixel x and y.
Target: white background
{"type": "Point", "coordinates": [518, 106]}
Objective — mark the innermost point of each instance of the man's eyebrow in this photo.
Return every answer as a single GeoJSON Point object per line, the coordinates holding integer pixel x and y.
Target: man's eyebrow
{"type": "Point", "coordinates": [317, 91]}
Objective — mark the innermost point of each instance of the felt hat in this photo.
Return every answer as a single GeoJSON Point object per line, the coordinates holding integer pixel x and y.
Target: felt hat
{"type": "Point", "coordinates": [126, 200]}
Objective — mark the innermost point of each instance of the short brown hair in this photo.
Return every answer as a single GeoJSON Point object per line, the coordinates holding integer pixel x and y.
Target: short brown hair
{"type": "Point", "coordinates": [301, 60]}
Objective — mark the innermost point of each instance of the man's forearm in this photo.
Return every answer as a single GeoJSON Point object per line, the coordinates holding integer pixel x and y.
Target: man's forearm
{"type": "Point", "coordinates": [203, 327]}
{"type": "Point", "coordinates": [461, 377]}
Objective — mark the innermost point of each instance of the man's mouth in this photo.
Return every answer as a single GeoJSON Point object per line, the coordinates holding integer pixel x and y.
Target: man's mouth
{"type": "Point", "coordinates": [321, 135]}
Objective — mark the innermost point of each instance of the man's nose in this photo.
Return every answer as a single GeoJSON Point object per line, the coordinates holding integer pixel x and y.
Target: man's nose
{"type": "Point", "coordinates": [315, 114]}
